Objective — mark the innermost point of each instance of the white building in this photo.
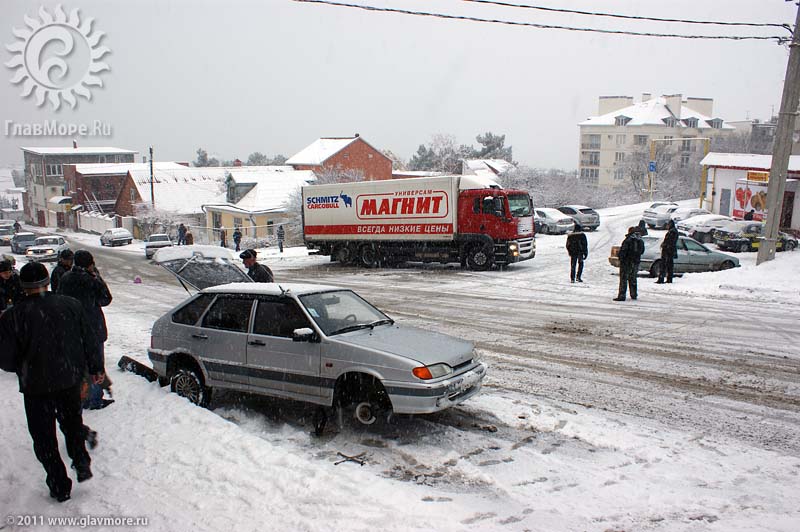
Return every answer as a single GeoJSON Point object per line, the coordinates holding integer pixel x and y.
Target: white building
{"type": "Point", "coordinates": [623, 128]}
{"type": "Point", "coordinates": [737, 183]}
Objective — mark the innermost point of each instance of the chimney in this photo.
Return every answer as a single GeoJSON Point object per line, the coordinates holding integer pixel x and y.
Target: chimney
{"type": "Point", "coordinates": [610, 104]}
{"type": "Point", "coordinates": [237, 162]}
{"type": "Point", "coordinates": [704, 106]}
{"type": "Point", "coordinates": [646, 97]}
{"type": "Point", "coordinates": [673, 103]}
{"type": "Point", "coordinates": [74, 144]}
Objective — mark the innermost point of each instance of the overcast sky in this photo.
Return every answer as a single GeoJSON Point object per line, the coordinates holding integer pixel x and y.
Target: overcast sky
{"type": "Point", "coordinates": [241, 76]}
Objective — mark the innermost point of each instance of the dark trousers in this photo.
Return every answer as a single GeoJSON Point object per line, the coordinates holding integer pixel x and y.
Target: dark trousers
{"type": "Point", "coordinates": [667, 268]}
{"type": "Point", "coordinates": [42, 412]}
{"type": "Point", "coordinates": [237, 242]}
{"type": "Point", "coordinates": [575, 260]}
{"type": "Point", "coordinates": [280, 245]}
{"type": "Point", "coordinates": [627, 280]}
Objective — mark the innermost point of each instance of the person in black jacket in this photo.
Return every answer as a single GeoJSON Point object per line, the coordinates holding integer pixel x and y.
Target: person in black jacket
{"type": "Point", "coordinates": [630, 253]}
{"type": "Point", "coordinates": [10, 288]}
{"type": "Point", "coordinates": [669, 252]}
{"type": "Point", "coordinates": [257, 272]}
{"type": "Point", "coordinates": [47, 340]}
{"type": "Point", "coordinates": [83, 282]}
{"type": "Point", "coordinates": [578, 249]}
{"type": "Point", "coordinates": [64, 265]}
{"type": "Point", "coordinates": [642, 228]}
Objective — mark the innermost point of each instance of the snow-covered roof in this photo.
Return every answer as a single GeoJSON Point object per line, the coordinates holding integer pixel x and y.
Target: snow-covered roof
{"type": "Point", "coordinates": [653, 112]}
{"type": "Point", "coordinates": [486, 167]}
{"type": "Point", "coordinates": [746, 161]}
{"type": "Point", "coordinates": [180, 190]}
{"type": "Point", "coordinates": [320, 151]}
{"type": "Point", "coordinates": [83, 150]}
{"type": "Point", "coordinates": [272, 191]}
{"type": "Point", "coordinates": [58, 200]}
{"type": "Point", "coordinates": [244, 175]}
{"type": "Point", "coordinates": [123, 168]}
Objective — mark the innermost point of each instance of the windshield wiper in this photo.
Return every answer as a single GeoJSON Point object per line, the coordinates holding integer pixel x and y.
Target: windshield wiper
{"type": "Point", "coordinates": [360, 326]}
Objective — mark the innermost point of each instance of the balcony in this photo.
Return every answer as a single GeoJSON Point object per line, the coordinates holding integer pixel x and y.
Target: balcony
{"type": "Point", "coordinates": [590, 146]}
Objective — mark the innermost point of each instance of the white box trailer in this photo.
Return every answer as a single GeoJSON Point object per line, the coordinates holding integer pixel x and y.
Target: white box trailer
{"type": "Point", "coordinates": [433, 219]}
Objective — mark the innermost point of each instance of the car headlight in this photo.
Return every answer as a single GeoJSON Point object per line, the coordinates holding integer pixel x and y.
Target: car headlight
{"type": "Point", "coordinates": [29, 252]}
{"type": "Point", "coordinates": [50, 251]}
{"type": "Point", "coordinates": [432, 372]}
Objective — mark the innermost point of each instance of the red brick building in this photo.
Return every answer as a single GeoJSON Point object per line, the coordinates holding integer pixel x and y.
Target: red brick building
{"type": "Point", "coordinates": [343, 154]}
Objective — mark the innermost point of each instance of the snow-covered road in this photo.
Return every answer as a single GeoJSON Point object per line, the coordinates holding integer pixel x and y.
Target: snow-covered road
{"type": "Point", "coordinates": [679, 411]}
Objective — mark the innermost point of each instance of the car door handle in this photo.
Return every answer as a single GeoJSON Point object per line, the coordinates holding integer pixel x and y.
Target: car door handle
{"type": "Point", "coordinates": [200, 336]}
{"type": "Point", "coordinates": [256, 342]}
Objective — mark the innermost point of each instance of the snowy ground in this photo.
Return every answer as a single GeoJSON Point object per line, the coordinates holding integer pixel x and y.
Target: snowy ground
{"type": "Point", "coordinates": [679, 411]}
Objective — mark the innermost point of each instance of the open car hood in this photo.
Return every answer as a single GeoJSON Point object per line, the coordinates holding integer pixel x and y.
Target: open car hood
{"type": "Point", "coordinates": [201, 266]}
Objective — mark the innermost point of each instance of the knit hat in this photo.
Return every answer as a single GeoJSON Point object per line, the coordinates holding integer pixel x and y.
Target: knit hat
{"type": "Point", "coordinates": [66, 254]}
{"type": "Point", "coordinates": [34, 275]}
{"type": "Point", "coordinates": [248, 254]}
{"type": "Point", "coordinates": [83, 258]}
{"type": "Point", "coordinates": [5, 266]}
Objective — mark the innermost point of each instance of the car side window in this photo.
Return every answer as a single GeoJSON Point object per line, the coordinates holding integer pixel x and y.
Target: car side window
{"type": "Point", "coordinates": [278, 318]}
{"type": "Point", "coordinates": [191, 312]}
{"type": "Point", "coordinates": [681, 245]}
{"type": "Point", "coordinates": [229, 313]}
{"type": "Point", "coordinates": [693, 246]}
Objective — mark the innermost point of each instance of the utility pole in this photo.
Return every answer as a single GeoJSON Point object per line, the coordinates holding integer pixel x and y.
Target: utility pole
{"type": "Point", "coordinates": [783, 147]}
{"type": "Point", "coordinates": [152, 180]}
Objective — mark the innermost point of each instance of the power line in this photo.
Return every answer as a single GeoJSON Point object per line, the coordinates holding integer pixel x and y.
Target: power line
{"type": "Point", "coordinates": [545, 26]}
{"type": "Point", "coordinates": [632, 17]}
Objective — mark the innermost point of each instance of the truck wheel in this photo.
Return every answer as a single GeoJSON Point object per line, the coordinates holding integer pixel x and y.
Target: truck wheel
{"type": "Point", "coordinates": [342, 254]}
{"type": "Point", "coordinates": [368, 256]}
{"type": "Point", "coordinates": [479, 257]}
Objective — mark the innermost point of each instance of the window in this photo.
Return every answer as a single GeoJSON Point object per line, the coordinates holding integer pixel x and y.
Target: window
{"type": "Point", "coordinates": [621, 120]}
{"type": "Point", "coordinates": [590, 142]}
{"type": "Point", "coordinates": [694, 246]}
{"type": "Point", "coordinates": [216, 219]}
{"type": "Point", "coordinates": [668, 140]}
{"type": "Point", "coordinates": [101, 158]}
{"type": "Point", "coordinates": [54, 169]}
{"type": "Point", "coordinates": [684, 160]}
{"type": "Point", "coordinates": [686, 145]}
{"type": "Point", "coordinates": [690, 122]}
{"type": "Point", "coordinates": [590, 158]}
{"type": "Point", "coordinates": [278, 318]}
{"type": "Point", "coordinates": [715, 123]}
{"type": "Point", "coordinates": [590, 175]}
{"type": "Point", "coordinates": [369, 156]}
{"type": "Point", "coordinates": [237, 222]}
{"type": "Point", "coordinates": [619, 157]}
{"type": "Point", "coordinates": [620, 140]}
{"type": "Point", "coordinates": [619, 174]}
{"type": "Point", "coordinates": [270, 227]}
{"type": "Point", "coordinates": [133, 195]}
{"type": "Point", "coordinates": [671, 121]}
{"type": "Point", "coordinates": [229, 313]}
{"type": "Point", "coordinates": [346, 155]}
{"type": "Point", "coordinates": [191, 312]}
{"type": "Point", "coordinates": [640, 140]}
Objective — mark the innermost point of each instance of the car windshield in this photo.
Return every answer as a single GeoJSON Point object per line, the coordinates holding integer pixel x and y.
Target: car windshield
{"type": "Point", "coordinates": [520, 205]}
{"type": "Point", "coordinates": [587, 211]}
{"type": "Point", "coordinates": [46, 241]}
{"type": "Point", "coordinates": [25, 238]}
{"type": "Point", "coordinates": [342, 311]}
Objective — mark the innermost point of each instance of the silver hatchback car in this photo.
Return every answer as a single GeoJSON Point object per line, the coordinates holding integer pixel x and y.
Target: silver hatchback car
{"type": "Point", "coordinates": [320, 344]}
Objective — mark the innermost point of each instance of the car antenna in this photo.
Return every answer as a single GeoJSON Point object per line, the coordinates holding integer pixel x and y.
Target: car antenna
{"type": "Point", "coordinates": [283, 291]}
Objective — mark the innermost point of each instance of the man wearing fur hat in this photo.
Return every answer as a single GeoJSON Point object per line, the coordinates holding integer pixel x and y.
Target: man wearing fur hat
{"type": "Point", "coordinates": [64, 265]}
{"type": "Point", "coordinates": [257, 272]}
{"type": "Point", "coordinates": [10, 287]}
{"type": "Point", "coordinates": [47, 340]}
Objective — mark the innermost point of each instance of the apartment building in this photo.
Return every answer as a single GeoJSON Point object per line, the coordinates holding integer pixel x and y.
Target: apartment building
{"type": "Point", "coordinates": [622, 130]}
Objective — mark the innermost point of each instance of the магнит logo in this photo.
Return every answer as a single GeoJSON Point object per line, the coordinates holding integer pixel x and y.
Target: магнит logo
{"type": "Point", "coordinates": [57, 57]}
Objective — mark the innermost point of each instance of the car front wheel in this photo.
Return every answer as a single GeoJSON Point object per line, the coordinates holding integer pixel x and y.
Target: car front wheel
{"type": "Point", "coordinates": [727, 265]}
{"type": "Point", "coordinates": [744, 248]}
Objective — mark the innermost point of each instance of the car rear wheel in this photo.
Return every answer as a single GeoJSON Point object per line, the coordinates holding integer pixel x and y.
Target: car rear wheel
{"type": "Point", "coordinates": [727, 265]}
{"type": "Point", "coordinates": [655, 269]}
{"type": "Point", "coordinates": [791, 245]}
{"type": "Point", "coordinates": [744, 248]}
{"type": "Point", "coordinates": [188, 382]}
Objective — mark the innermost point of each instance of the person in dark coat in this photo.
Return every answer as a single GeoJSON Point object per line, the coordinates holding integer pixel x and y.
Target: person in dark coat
{"type": "Point", "coordinates": [83, 282]}
{"type": "Point", "coordinates": [64, 265]}
{"type": "Point", "coordinates": [237, 237]}
{"type": "Point", "coordinates": [10, 287]}
{"type": "Point", "coordinates": [669, 252]}
{"type": "Point", "coordinates": [578, 249]}
{"type": "Point", "coordinates": [257, 272]}
{"type": "Point", "coordinates": [750, 215]}
{"type": "Point", "coordinates": [223, 237]}
{"type": "Point", "coordinates": [181, 235]}
{"type": "Point", "coordinates": [189, 239]}
{"type": "Point", "coordinates": [17, 227]}
{"type": "Point", "coordinates": [642, 228]}
{"type": "Point", "coordinates": [47, 340]}
{"type": "Point", "coordinates": [281, 237]}
{"type": "Point", "coordinates": [630, 254]}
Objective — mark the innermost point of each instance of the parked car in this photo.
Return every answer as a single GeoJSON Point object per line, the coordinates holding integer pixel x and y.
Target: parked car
{"type": "Point", "coordinates": [659, 217]}
{"type": "Point", "coordinates": [584, 217]}
{"type": "Point", "coordinates": [116, 237]}
{"type": "Point", "coordinates": [21, 241]}
{"type": "Point", "coordinates": [743, 236]}
{"type": "Point", "coordinates": [701, 227]}
{"type": "Point", "coordinates": [537, 223]}
{"type": "Point", "coordinates": [660, 203]}
{"type": "Point", "coordinates": [46, 248]}
{"type": "Point", "coordinates": [155, 242]}
{"type": "Point", "coordinates": [692, 257]}
{"type": "Point", "coordinates": [6, 232]}
{"type": "Point", "coordinates": [685, 213]}
{"type": "Point", "coordinates": [554, 221]}
{"type": "Point", "coordinates": [320, 344]}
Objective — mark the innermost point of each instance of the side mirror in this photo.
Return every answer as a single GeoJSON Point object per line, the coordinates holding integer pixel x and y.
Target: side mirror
{"type": "Point", "coordinates": [305, 334]}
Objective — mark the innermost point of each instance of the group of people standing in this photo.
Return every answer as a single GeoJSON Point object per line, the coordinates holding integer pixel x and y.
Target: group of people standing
{"type": "Point", "coordinates": [629, 255]}
{"type": "Point", "coordinates": [237, 237]}
{"type": "Point", "coordinates": [54, 341]}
